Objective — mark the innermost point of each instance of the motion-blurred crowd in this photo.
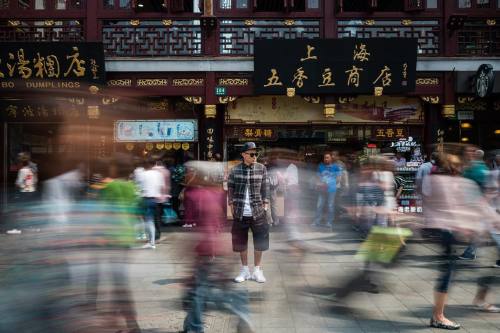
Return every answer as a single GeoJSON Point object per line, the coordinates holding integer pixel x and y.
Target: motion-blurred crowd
{"type": "Point", "coordinates": [76, 231]}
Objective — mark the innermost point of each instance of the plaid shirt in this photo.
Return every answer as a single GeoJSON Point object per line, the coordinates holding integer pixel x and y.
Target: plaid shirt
{"type": "Point", "coordinates": [254, 176]}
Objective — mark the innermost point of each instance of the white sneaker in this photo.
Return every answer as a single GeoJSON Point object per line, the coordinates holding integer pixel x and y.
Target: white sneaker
{"type": "Point", "coordinates": [244, 275]}
{"type": "Point", "coordinates": [14, 232]}
{"type": "Point", "coordinates": [258, 275]}
{"type": "Point", "coordinates": [148, 246]}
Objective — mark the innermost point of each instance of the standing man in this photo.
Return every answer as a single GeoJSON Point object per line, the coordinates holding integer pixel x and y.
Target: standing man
{"type": "Point", "coordinates": [329, 173]}
{"type": "Point", "coordinates": [248, 197]}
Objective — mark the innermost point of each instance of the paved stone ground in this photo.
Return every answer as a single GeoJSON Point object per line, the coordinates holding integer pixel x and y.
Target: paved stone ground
{"type": "Point", "coordinates": [295, 298]}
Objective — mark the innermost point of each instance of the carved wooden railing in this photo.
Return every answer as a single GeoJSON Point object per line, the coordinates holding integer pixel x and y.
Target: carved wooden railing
{"type": "Point", "coordinates": [42, 31]}
{"type": "Point", "coordinates": [479, 38]}
{"type": "Point", "coordinates": [237, 36]}
{"type": "Point", "coordinates": [152, 38]}
{"type": "Point", "coordinates": [428, 31]}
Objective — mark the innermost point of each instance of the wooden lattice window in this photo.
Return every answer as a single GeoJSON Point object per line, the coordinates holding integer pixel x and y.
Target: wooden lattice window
{"type": "Point", "coordinates": [192, 6]}
{"type": "Point", "coordinates": [270, 5]}
{"type": "Point", "coordinates": [414, 5]}
{"type": "Point", "coordinates": [66, 4]}
{"type": "Point", "coordinates": [297, 5]}
{"type": "Point", "coordinates": [371, 5]}
{"type": "Point", "coordinates": [468, 4]}
{"type": "Point", "coordinates": [285, 5]}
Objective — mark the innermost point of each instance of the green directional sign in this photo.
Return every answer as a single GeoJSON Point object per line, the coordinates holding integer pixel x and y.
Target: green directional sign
{"type": "Point", "coordinates": [220, 91]}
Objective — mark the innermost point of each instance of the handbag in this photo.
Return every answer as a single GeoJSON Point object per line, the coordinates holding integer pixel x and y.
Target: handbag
{"type": "Point", "coordinates": [169, 215]}
{"type": "Point", "coordinates": [382, 244]}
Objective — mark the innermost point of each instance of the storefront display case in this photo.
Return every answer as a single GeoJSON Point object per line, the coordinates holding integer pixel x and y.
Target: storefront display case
{"type": "Point", "coordinates": [407, 155]}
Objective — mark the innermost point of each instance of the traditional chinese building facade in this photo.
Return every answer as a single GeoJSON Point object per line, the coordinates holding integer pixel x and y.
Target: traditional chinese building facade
{"type": "Point", "coordinates": [197, 62]}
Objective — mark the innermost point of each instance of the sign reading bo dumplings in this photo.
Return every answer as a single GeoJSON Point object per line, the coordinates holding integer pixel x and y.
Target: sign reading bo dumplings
{"type": "Point", "coordinates": [60, 65]}
{"type": "Point", "coordinates": [156, 130]}
{"type": "Point", "coordinates": [335, 66]}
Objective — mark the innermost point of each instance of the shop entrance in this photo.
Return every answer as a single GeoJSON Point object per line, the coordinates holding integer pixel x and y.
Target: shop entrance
{"type": "Point", "coordinates": [305, 146]}
{"type": "Point", "coordinates": [50, 146]}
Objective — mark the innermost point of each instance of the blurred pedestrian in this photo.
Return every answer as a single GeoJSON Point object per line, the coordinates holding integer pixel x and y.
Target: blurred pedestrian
{"type": "Point", "coordinates": [342, 190]}
{"type": "Point", "coordinates": [424, 170]}
{"type": "Point", "coordinates": [248, 197]}
{"type": "Point", "coordinates": [492, 194]}
{"type": "Point", "coordinates": [456, 208]}
{"type": "Point", "coordinates": [27, 179]}
{"type": "Point", "coordinates": [65, 190]}
{"type": "Point", "coordinates": [189, 220]}
{"type": "Point", "coordinates": [153, 189]}
{"type": "Point", "coordinates": [328, 175]}
{"type": "Point", "coordinates": [165, 194]}
{"type": "Point", "coordinates": [291, 190]}
{"type": "Point", "coordinates": [383, 174]}
{"type": "Point", "coordinates": [400, 160]}
{"type": "Point", "coordinates": [138, 170]}
{"type": "Point", "coordinates": [116, 235]}
{"type": "Point", "coordinates": [369, 200]}
{"type": "Point", "coordinates": [209, 284]}
{"type": "Point", "coordinates": [475, 170]}
{"type": "Point", "coordinates": [274, 184]}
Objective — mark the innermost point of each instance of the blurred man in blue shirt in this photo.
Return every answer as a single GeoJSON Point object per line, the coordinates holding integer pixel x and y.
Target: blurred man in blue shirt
{"type": "Point", "coordinates": [328, 175]}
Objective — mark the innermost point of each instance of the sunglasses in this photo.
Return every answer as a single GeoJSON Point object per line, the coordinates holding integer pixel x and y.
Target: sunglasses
{"type": "Point", "coordinates": [253, 154]}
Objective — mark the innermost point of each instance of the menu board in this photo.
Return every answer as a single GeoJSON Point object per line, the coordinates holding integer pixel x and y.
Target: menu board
{"type": "Point", "coordinates": [156, 130]}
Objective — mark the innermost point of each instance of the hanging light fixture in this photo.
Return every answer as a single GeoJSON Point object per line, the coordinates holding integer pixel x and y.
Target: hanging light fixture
{"type": "Point", "coordinates": [329, 110]}
{"type": "Point", "coordinates": [448, 111]}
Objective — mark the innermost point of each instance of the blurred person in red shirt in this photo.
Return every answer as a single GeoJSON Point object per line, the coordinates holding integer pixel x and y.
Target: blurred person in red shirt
{"type": "Point", "coordinates": [209, 283]}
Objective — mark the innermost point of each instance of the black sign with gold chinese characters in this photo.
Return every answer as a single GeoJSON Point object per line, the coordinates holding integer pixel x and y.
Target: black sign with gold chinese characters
{"type": "Point", "coordinates": [335, 66]}
{"type": "Point", "coordinates": [389, 133]}
{"type": "Point", "coordinates": [62, 65]}
{"type": "Point", "coordinates": [257, 134]}
{"type": "Point", "coordinates": [28, 111]}
{"type": "Point", "coordinates": [210, 141]}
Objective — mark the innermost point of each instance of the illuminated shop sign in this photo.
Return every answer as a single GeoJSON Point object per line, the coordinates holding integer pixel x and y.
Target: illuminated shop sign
{"type": "Point", "coordinates": [156, 130]}
{"type": "Point", "coordinates": [404, 145]}
{"type": "Point", "coordinates": [258, 134]}
{"type": "Point", "coordinates": [387, 133]}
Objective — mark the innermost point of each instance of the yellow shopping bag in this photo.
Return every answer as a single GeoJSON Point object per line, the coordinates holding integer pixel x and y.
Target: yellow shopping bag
{"type": "Point", "coordinates": [382, 244]}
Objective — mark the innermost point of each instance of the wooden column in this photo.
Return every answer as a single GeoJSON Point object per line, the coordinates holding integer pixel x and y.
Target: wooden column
{"type": "Point", "coordinates": [448, 109]}
{"type": "Point", "coordinates": [211, 35]}
{"type": "Point", "coordinates": [4, 164]}
{"type": "Point", "coordinates": [448, 38]}
{"type": "Point", "coordinates": [92, 24]}
{"type": "Point", "coordinates": [329, 21]}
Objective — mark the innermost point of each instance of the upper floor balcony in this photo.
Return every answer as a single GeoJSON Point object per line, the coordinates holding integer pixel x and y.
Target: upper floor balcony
{"type": "Point", "coordinates": [152, 38]}
{"type": "Point", "coordinates": [62, 30]}
{"type": "Point", "coordinates": [159, 28]}
{"type": "Point", "coordinates": [479, 37]}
